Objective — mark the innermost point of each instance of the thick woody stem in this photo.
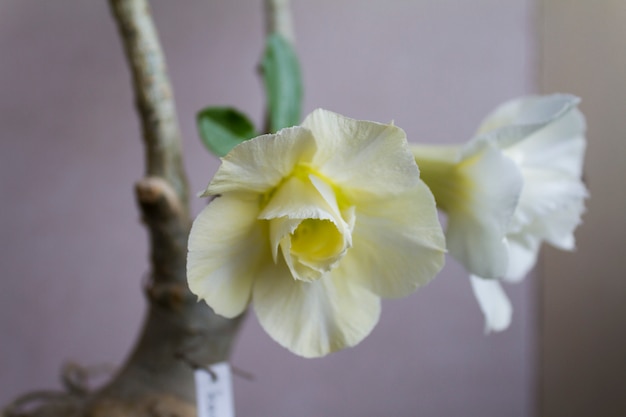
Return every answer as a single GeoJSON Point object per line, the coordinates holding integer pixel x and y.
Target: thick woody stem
{"type": "Point", "coordinates": [178, 329]}
{"type": "Point", "coordinates": [154, 97]}
{"type": "Point", "coordinates": [165, 178]}
{"type": "Point", "coordinates": [178, 333]}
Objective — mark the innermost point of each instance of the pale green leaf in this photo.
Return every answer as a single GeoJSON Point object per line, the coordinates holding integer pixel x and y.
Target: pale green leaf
{"type": "Point", "coordinates": [283, 83]}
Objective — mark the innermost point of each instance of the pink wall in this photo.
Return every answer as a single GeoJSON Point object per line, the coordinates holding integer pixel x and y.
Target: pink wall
{"type": "Point", "coordinates": [73, 251]}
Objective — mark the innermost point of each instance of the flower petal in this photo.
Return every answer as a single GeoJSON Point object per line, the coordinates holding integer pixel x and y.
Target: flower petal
{"type": "Point", "coordinates": [314, 318]}
{"type": "Point", "coordinates": [225, 233]}
{"type": "Point", "coordinates": [513, 123]}
{"type": "Point", "coordinates": [313, 249]}
{"type": "Point", "coordinates": [545, 194]}
{"type": "Point", "coordinates": [523, 250]}
{"type": "Point", "coordinates": [558, 146]}
{"type": "Point", "coordinates": [493, 302]}
{"type": "Point", "coordinates": [558, 227]}
{"type": "Point", "coordinates": [478, 224]}
{"type": "Point", "coordinates": [527, 114]}
{"type": "Point", "coordinates": [361, 157]}
{"type": "Point", "coordinates": [259, 164]}
{"type": "Point", "coordinates": [398, 244]}
{"type": "Point", "coordinates": [298, 199]}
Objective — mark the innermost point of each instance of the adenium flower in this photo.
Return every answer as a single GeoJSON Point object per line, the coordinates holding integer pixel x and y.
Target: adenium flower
{"type": "Point", "coordinates": [516, 184]}
{"type": "Point", "coordinates": [313, 225]}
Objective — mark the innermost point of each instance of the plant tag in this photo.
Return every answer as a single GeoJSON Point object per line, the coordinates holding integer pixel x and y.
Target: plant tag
{"type": "Point", "coordinates": [214, 393]}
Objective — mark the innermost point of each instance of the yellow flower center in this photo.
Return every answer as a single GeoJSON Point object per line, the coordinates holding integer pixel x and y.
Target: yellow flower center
{"type": "Point", "coordinates": [316, 240]}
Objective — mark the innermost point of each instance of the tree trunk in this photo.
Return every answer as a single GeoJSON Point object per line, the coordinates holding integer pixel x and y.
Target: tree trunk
{"type": "Point", "coordinates": [179, 334]}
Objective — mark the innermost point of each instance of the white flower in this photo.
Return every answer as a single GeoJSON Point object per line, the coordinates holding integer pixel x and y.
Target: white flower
{"type": "Point", "coordinates": [512, 187]}
{"type": "Point", "coordinates": [313, 225]}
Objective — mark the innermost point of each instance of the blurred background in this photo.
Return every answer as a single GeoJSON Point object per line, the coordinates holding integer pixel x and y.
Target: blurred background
{"type": "Point", "coordinates": [74, 254]}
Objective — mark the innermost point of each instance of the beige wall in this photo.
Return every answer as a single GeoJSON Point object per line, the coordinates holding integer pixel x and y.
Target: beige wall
{"type": "Point", "coordinates": [583, 337]}
{"type": "Point", "coordinates": [73, 252]}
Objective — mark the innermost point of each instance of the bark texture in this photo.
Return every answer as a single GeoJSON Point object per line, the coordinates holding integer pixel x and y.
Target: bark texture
{"type": "Point", "coordinates": [179, 334]}
{"type": "Point", "coordinates": [153, 93]}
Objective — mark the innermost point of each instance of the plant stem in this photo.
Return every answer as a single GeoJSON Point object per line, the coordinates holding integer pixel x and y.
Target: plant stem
{"type": "Point", "coordinates": [278, 19]}
{"type": "Point", "coordinates": [154, 96]}
{"type": "Point", "coordinates": [179, 333]}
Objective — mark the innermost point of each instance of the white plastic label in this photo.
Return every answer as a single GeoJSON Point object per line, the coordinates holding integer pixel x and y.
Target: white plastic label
{"type": "Point", "coordinates": [214, 393]}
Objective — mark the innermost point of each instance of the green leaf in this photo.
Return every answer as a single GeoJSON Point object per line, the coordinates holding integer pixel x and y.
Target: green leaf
{"type": "Point", "coordinates": [223, 128]}
{"type": "Point", "coordinates": [283, 82]}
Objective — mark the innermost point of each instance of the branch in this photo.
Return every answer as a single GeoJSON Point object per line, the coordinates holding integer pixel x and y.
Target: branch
{"type": "Point", "coordinates": [278, 19]}
{"type": "Point", "coordinates": [156, 379]}
{"type": "Point", "coordinates": [165, 217]}
{"type": "Point", "coordinates": [153, 93]}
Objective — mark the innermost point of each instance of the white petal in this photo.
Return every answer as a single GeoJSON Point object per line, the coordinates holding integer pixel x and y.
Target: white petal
{"type": "Point", "coordinates": [558, 228]}
{"type": "Point", "coordinates": [398, 244]}
{"type": "Point", "coordinates": [278, 229]}
{"type": "Point", "coordinates": [493, 302]}
{"type": "Point", "coordinates": [226, 248]}
{"type": "Point", "coordinates": [361, 157]}
{"type": "Point", "coordinates": [516, 121]}
{"type": "Point", "coordinates": [299, 198]}
{"type": "Point", "coordinates": [528, 111]}
{"type": "Point", "coordinates": [544, 194]}
{"type": "Point", "coordinates": [327, 193]}
{"type": "Point", "coordinates": [259, 164]}
{"type": "Point", "coordinates": [558, 146]}
{"type": "Point", "coordinates": [477, 225]}
{"type": "Point", "coordinates": [523, 250]}
{"type": "Point", "coordinates": [314, 318]}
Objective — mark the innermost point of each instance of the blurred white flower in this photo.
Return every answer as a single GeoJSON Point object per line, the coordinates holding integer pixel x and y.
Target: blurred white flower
{"type": "Point", "coordinates": [512, 187]}
{"type": "Point", "coordinates": [313, 225]}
